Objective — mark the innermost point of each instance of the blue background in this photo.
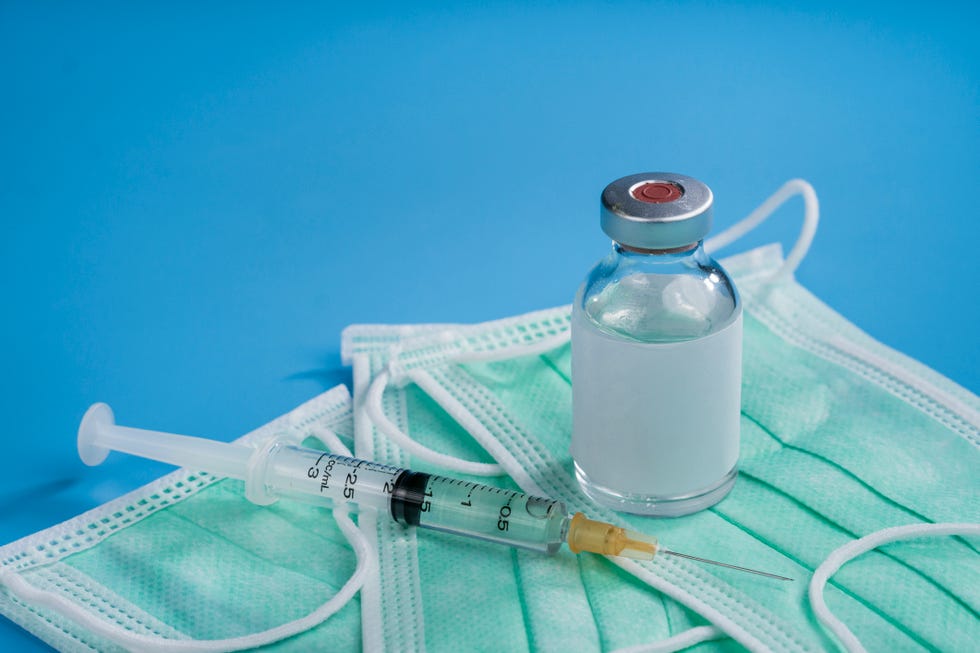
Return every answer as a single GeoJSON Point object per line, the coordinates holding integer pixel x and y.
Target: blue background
{"type": "Point", "coordinates": [196, 201]}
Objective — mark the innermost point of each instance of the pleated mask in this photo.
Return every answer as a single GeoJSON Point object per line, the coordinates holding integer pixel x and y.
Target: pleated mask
{"type": "Point", "coordinates": [187, 563]}
{"type": "Point", "coordinates": [846, 445]}
{"type": "Point", "coordinates": [842, 438]}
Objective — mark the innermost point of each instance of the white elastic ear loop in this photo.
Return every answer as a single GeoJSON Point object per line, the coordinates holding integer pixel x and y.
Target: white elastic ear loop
{"type": "Point", "coordinates": [28, 593]}
{"type": "Point", "coordinates": [811, 217]}
{"type": "Point", "coordinates": [329, 439]}
{"type": "Point", "coordinates": [722, 623]}
{"type": "Point", "coordinates": [678, 642]}
{"type": "Point", "coordinates": [376, 414]}
{"type": "Point", "coordinates": [852, 550]}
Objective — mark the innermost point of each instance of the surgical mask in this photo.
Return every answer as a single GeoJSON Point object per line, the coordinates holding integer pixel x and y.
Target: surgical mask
{"type": "Point", "coordinates": [187, 563]}
{"type": "Point", "coordinates": [189, 559]}
{"type": "Point", "coordinates": [841, 437]}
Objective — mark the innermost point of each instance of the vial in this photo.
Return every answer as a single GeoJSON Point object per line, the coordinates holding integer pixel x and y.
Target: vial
{"type": "Point", "coordinates": [656, 355]}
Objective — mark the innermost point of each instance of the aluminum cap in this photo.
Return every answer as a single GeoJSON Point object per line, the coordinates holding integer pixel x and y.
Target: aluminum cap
{"type": "Point", "coordinates": [656, 210]}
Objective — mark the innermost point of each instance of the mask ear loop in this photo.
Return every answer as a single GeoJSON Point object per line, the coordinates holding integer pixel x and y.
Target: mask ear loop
{"type": "Point", "coordinates": [851, 550]}
{"type": "Point", "coordinates": [375, 411]}
{"type": "Point", "coordinates": [811, 217]}
{"type": "Point", "coordinates": [679, 642]}
{"type": "Point", "coordinates": [331, 441]}
{"type": "Point", "coordinates": [30, 594]}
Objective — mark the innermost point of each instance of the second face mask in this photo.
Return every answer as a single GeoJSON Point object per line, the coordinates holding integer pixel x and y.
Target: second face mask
{"type": "Point", "coordinates": [819, 396]}
{"type": "Point", "coordinates": [188, 558]}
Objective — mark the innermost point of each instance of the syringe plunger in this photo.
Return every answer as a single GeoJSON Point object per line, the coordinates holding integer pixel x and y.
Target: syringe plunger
{"type": "Point", "coordinates": [98, 434]}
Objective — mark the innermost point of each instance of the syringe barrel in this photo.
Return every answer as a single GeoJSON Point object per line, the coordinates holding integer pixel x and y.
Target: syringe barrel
{"type": "Point", "coordinates": [416, 498]}
{"type": "Point", "coordinates": [488, 513]}
{"type": "Point", "coordinates": [327, 479]}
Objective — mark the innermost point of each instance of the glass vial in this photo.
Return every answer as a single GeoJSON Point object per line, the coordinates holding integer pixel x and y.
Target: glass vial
{"type": "Point", "coordinates": [656, 355]}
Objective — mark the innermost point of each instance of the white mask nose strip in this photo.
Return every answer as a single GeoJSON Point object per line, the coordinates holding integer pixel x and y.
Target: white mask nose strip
{"type": "Point", "coordinates": [851, 550]}
{"type": "Point", "coordinates": [458, 344]}
{"type": "Point", "coordinates": [514, 351]}
{"type": "Point", "coordinates": [811, 218]}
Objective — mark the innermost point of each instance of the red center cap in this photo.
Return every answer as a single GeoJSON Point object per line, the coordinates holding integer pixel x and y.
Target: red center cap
{"type": "Point", "coordinates": [657, 192]}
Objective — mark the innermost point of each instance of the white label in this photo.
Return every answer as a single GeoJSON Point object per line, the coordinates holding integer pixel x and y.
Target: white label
{"type": "Point", "coordinates": [658, 420]}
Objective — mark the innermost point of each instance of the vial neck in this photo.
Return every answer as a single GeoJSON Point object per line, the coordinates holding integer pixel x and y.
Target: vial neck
{"type": "Point", "coordinates": [674, 252]}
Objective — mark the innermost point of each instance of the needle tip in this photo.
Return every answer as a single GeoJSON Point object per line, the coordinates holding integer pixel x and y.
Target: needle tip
{"type": "Point", "coordinates": [725, 564]}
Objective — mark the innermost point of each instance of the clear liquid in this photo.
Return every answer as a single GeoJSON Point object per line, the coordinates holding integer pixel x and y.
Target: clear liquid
{"type": "Point", "coordinates": [493, 514]}
{"type": "Point", "coordinates": [655, 424]}
{"type": "Point", "coordinates": [659, 298]}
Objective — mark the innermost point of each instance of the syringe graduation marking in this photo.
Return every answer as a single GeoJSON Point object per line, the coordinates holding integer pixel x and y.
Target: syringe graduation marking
{"type": "Point", "coordinates": [289, 469]}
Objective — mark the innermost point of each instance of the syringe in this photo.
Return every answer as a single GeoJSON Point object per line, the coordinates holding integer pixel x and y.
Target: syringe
{"type": "Point", "coordinates": [280, 469]}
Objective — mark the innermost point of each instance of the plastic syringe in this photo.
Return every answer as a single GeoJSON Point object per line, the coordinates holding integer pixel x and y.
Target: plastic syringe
{"type": "Point", "coordinates": [281, 469]}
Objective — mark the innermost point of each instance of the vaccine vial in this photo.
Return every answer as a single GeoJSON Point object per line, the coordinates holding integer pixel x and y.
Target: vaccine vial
{"type": "Point", "coordinates": [656, 355]}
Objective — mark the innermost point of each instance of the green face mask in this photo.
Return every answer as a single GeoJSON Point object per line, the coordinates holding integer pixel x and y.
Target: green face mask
{"type": "Point", "coordinates": [188, 558]}
{"type": "Point", "coordinates": [841, 437]}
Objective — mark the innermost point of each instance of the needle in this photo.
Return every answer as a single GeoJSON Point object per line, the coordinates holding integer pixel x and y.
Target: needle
{"type": "Point", "coordinates": [724, 564]}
